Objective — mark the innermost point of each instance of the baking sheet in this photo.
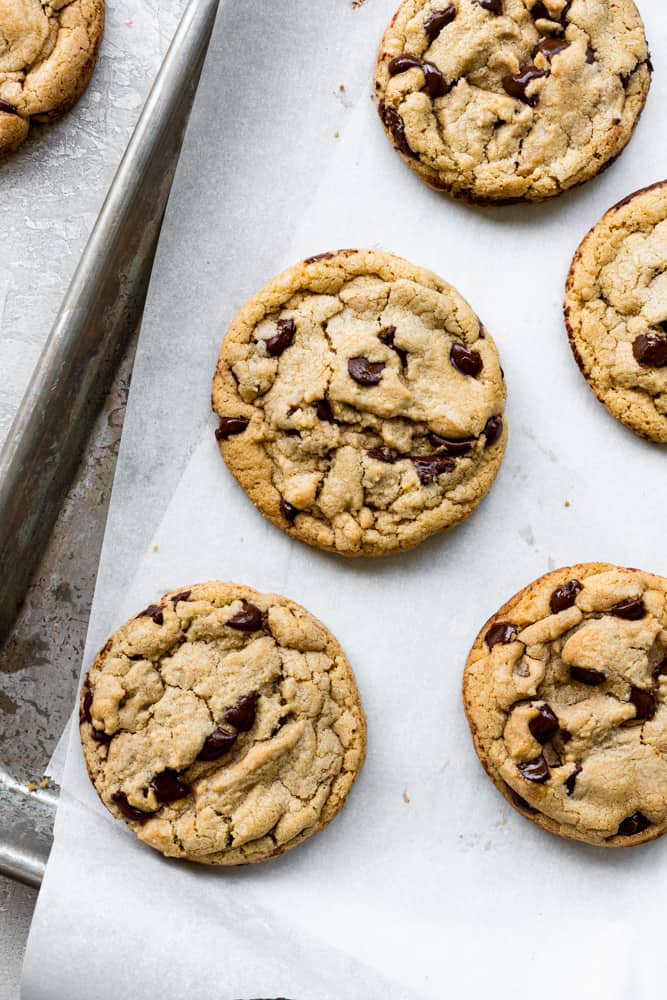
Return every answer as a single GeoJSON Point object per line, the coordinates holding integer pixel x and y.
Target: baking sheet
{"type": "Point", "coordinates": [427, 882]}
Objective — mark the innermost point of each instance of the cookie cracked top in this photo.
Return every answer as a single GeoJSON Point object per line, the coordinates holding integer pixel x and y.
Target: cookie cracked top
{"type": "Point", "coordinates": [360, 403]}
{"type": "Point", "coordinates": [566, 694]}
{"type": "Point", "coordinates": [506, 100]}
{"type": "Point", "coordinates": [223, 725]}
{"type": "Point", "coordinates": [47, 55]}
{"type": "Point", "coordinates": [616, 311]}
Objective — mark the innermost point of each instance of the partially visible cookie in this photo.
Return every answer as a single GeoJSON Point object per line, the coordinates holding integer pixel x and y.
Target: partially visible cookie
{"type": "Point", "coordinates": [222, 725]}
{"type": "Point", "coordinates": [47, 55]}
{"type": "Point", "coordinates": [511, 100]}
{"type": "Point", "coordinates": [565, 690]}
{"type": "Point", "coordinates": [360, 403]}
{"type": "Point", "coordinates": [616, 311]}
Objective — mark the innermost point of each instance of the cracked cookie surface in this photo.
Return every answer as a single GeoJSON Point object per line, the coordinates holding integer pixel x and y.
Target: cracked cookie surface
{"type": "Point", "coordinates": [360, 403]}
{"type": "Point", "coordinates": [222, 725]}
{"type": "Point", "coordinates": [565, 690]}
{"type": "Point", "coordinates": [511, 100]}
{"type": "Point", "coordinates": [47, 56]}
{"type": "Point", "coordinates": [616, 311]}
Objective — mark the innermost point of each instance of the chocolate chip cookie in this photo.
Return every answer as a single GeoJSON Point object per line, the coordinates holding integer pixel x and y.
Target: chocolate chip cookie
{"type": "Point", "coordinates": [616, 311]}
{"type": "Point", "coordinates": [224, 726]}
{"type": "Point", "coordinates": [511, 100]}
{"type": "Point", "coordinates": [48, 50]}
{"type": "Point", "coordinates": [565, 690]}
{"type": "Point", "coordinates": [360, 403]}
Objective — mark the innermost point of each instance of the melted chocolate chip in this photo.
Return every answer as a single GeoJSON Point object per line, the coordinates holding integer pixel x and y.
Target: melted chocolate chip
{"type": "Point", "coordinates": [564, 597]}
{"type": "Point", "coordinates": [643, 701]}
{"type": "Point", "coordinates": [465, 360]}
{"type": "Point", "coordinates": [396, 126]}
{"type": "Point", "coordinates": [636, 823]}
{"type": "Point", "coordinates": [590, 56]}
{"type": "Point", "coordinates": [631, 610]}
{"type": "Point", "coordinates": [288, 510]}
{"type": "Point", "coordinates": [544, 725]}
{"type": "Point", "coordinates": [128, 811]}
{"type": "Point", "coordinates": [283, 338]}
{"type": "Point", "coordinates": [217, 744]}
{"type": "Point", "coordinates": [324, 411]}
{"type": "Point", "coordinates": [365, 372]}
{"type": "Point", "coordinates": [550, 47]}
{"type": "Point", "coordinates": [401, 64]}
{"type": "Point", "coordinates": [661, 669]}
{"type": "Point", "coordinates": [154, 611]}
{"type": "Point", "coordinates": [229, 426]}
{"type": "Point", "coordinates": [84, 714]}
{"type": "Point", "coordinates": [242, 714]}
{"type": "Point", "coordinates": [493, 6]}
{"type": "Point", "coordinates": [438, 20]}
{"type": "Point", "coordinates": [429, 467]}
{"type": "Point", "coordinates": [516, 85]}
{"type": "Point", "coordinates": [387, 336]}
{"type": "Point", "coordinates": [319, 256]}
{"type": "Point", "coordinates": [519, 801]}
{"type": "Point", "coordinates": [539, 10]}
{"type": "Point", "coordinates": [501, 632]}
{"type": "Point", "coordinates": [452, 446]}
{"type": "Point", "coordinates": [168, 787]}
{"type": "Point", "coordinates": [650, 350]}
{"type": "Point", "coordinates": [535, 770]}
{"type": "Point", "coordinates": [183, 596]}
{"type": "Point", "coordinates": [248, 620]}
{"type": "Point", "coordinates": [436, 85]}
{"type": "Point", "coordinates": [587, 676]}
{"type": "Point", "coordinates": [8, 108]}
{"type": "Point", "coordinates": [572, 780]}
{"type": "Point", "coordinates": [493, 428]}
{"type": "Point", "coordinates": [100, 736]}
{"type": "Point", "coordinates": [387, 455]}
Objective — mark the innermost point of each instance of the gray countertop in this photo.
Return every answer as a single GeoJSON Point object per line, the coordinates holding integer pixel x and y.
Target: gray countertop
{"type": "Point", "coordinates": [52, 191]}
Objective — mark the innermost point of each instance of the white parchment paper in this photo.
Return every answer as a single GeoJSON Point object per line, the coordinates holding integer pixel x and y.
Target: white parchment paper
{"type": "Point", "coordinates": [428, 884]}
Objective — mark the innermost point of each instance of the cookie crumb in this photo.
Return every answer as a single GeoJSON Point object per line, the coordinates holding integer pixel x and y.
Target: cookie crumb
{"type": "Point", "coordinates": [567, 503]}
{"type": "Point", "coordinates": [32, 787]}
{"type": "Point", "coordinates": [342, 88]}
{"type": "Point", "coordinates": [44, 783]}
{"type": "Point", "coordinates": [356, 4]}
{"type": "Point", "coordinates": [155, 548]}
{"type": "Point", "coordinates": [406, 797]}
{"type": "Point", "coordinates": [336, 135]}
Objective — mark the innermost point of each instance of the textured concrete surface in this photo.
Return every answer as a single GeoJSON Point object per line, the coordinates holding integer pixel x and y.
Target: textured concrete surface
{"type": "Point", "coordinates": [57, 182]}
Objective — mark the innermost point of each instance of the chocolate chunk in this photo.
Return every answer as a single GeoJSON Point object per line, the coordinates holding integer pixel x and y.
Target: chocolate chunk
{"type": "Point", "coordinates": [283, 338]}
{"type": "Point", "coordinates": [401, 64]}
{"type": "Point", "coordinates": [636, 823]}
{"type": "Point", "coordinates": [387, 337]}
{"type": "Point", "coordinates": [324, 411]}
{"type": "Point", "coordinates": [550, 47]}
{"type": "Point", "coordinates": [519, 801]}
{"type": "Point", "coordinates": [128, 811]}
{"type": "Point", "coordinates": [587, 676]}
{"type": "Point", "coordinates": [453, 446]}
{"type": "Point", "coordinates": [248, 620]}
{"type": "Point", "coordinates": [217, 744]}
{"type": "Point", "coordinates": [395, 124]}
{"type": "Point", "coordinates": [100, 736]}
{"type": "Point", "coordinates": [168, 787]}
{"type": "Point", "coordinates": [535, 770]}
{"type": "Point", "coordinates": [387, 455]}
{"type": "Point", "coordinates": [84, 715]}
{"type": "Point", "coordinates": [564, 597]}
{"type": "Point", "coordinates": [572, 780]}
{"type": "Point", "coordinates": [229, 426]}
{"type": "Point", "coordinates": [288, 510]}
{"type": "Point", "coordinates": [365, 372]}
{"type": "Point", "coordinates": [631, 610]}
{"type": "Point", "coordinates": [544, 725]}
{"type": "Point", "coordinates": [501, 632]}
{"type": "Point", "coordinates": [539, 10]}
{"type": "Point", "coordinates": [643, 701]}
{"type": "Point", "coordinates": [438, 20]}
{"type": "Point", "coordinates": [493, 429]}
{"type": "Point", "coordinates": [154, 611]}
{"type": "Point", "coordinates": [429, 467]}
{"type": "Point", "coordinates": [8, 108]}
{"type": "Point", "coordinates": [319, 256]}
{"type": "Point", "coordinates": [183, 596]}
{"type": "Point", "coordinates": [282, 721]}
{"type": "Point", "coordinates": [650, 350]}
{"type": "Point", "coordinates": [493, 6]}
{"type": "Point", "coordinates": [242, 714]}
{"type": "Point", "coordinates": [661, 669]}
{"type": "Point", "coordinates": [590, 56]}
{"type": "Point", "coordinates": [516, 85]}
{"type": "Point", "coordinates": [465, 360]}
{"type": "Point", "coordinates": [436, 84]}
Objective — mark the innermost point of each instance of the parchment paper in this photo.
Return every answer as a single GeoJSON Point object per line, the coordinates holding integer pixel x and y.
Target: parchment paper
{"type": "Point", "coordinates": [428, 884]}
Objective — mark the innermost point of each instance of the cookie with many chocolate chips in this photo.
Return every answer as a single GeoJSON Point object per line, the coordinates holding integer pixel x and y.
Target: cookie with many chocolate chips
{"type": "Point", "coordinates": [48, 50]}
{"type": "Point", "coordinates": [616, 311]}
{"type": "Point", "coordinates": [511, 100]}
{"type": "Point", "coordinates": [565, 690]}
{"type": "Point", "coordinates": [224, 726]}
{"type": "Point", "coordinates": [360, 403]}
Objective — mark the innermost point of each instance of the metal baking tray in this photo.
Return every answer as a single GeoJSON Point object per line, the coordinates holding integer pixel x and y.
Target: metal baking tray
{"type": "Point", "coordinates": [56, 467]}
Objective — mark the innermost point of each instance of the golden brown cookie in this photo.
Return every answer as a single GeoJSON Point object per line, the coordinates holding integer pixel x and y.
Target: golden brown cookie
{"type": "Point", "coordinates": [616, 311]}
{"type": "Point", "coordinates": [360, 403]}
{"type": "Point", "coordinates": [511, 100]}
{"type": "Point", "coordinates": [47, 55]}
{"type": "Point", "coordinates": [565, 690]}
{"type": "Point", "coordinates": [223, 725]}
